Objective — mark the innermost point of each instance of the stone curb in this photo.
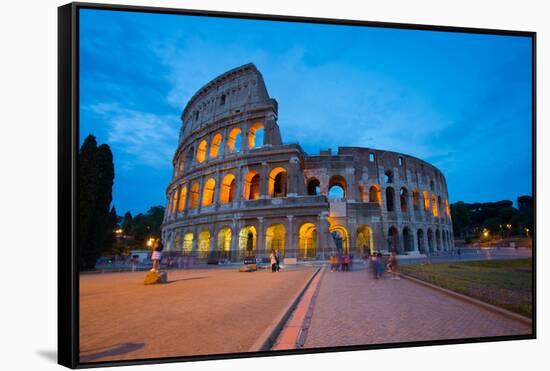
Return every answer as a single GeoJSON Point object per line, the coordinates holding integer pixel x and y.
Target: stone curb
{"type": "Point", "coordinates": [479, 303]}
{"type": "Point", "coordinates": [295, 328]}
{"type": "Point", "coordinates": [269, 336]}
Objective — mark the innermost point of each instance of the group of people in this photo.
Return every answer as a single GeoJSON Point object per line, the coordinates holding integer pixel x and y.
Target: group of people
{"type": "Point", "coordinates": [341, 262]}
{"type": "Point", "coordinates": [378, 264]}
{"type": "Point", "coordinates": [275, 260]}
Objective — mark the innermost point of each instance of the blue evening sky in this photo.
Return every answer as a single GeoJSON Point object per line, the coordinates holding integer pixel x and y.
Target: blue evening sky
{"type": "Point", "coordinates": [459, 101]}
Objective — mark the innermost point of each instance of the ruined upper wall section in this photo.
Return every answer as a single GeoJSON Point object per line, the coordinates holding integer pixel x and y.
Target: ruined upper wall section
{"type": "Point", "coordinates": [238, 90]}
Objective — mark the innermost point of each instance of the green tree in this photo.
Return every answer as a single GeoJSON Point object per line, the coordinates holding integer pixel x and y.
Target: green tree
{"type": "Point", "coordinates": [460, 215]}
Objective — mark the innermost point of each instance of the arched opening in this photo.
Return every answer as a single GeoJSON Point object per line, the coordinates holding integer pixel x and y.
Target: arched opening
{"type": "Point", "coordinates": [275, 239]}
{"type": "Point", "coordinates": [426, 200]}
{"type": "Point", "coordinates": [180, 165]}
{"type": "Point", "coordinates": [416, 199]}
{"type": "Point", "coordinates": [256, 136]}
{"type": "Point", "coordinates": [364, 240]}
{"type": "Point", "coordinates": [277, 182]}
{"type": "Point", "coordinates": [227, 191]}
{"type": "Point", "coordinates": [341, 239]}
{"type": "Point", "coordinates": [215, 146]}
{"type": "Point", "coordinates": [247, 241]}
{"type": "Point", "coordinates": [224, 242]}
{"type": "Point", "coordinates": [403, 195]}
{"type": "Point", "coordinates": [390, 197]}
{"type": "Point", "coordinates": [251, 189]}
{"type": "Point", "coordinates": [174, 202]}
{"type": "Point", "coordinates": [307, 241]}
{"type": "Point", "coordinates": [189, 157]}
{"type": "Point", "coordinates": [430, 241]}
{"type": "Point", "coordinates": [432, 185]}
{"type": "Point", "coordinates": [187, 243]}
{"type": "Point", "coordinates": [194, 196]}
{"type": "Point", "coordinates": [388, 177]}
{"type": "Point", "coordinates": [208, 192]}
{"type": "Point", "coordinates": [408, 243]}
{"type": "Point", "coordinates": [434, 207]}
{"type": "Point", "coordinates": [204, 244]}
{"type": "Point", "coordinates": [337, 187]}
{"type": "Point", "coordinates": [437, 240]}
{"type": "Point", "coordinates": [182, 197]}
{"type": "Point", "coordinates": [177, 242]}
{"type": "Point", "coordinates": [201, 151]}
{"type": "Point", "coordinates": [375, 194]}
{"type": "Point", "coordinates": [313, 187]}
{"type": "Point", "coordinates": [420, 240]}
{"type": "Point", "coordinates": [234, 140]}
{"type": "Point", "coordinates": [393, 240]}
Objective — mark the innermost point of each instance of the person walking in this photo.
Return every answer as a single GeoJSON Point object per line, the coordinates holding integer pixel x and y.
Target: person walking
{"type": "Point", "coordinates": [273, 261]}
{"type": "Point", "coordinates": [156, 256]}
{"type": "Point", "coordinates": [278, 259]}
{"type": "Point", "coordinates": [380, 266]}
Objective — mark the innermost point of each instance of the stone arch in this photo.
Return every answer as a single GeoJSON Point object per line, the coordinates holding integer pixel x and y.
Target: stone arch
{"type": "Point", "coordinates": [388, 177]}
{"type": "Point", "coordinates": [313, 187]}
{"type": "Point", "coordinates": [364, 241]}
{"type": "Point", "coordinates": [277, 185]}
{"type": "Point", "coordinates": [187, 243]}
{"type": "Point", "coordinates": [416, 199]}
{"type": "Point", "coordinates": [426, 200]}
{"type": "Point", "coordinates": [234, 140]}
{"type": "Point", "coordinates": [390, 199]}
{"type": "Point", "coordinates": [307, 240]}
{"type": "Point", "coordinates": [182, 198]}
{"type": "Point", "coordinates": [430, 240]}
{"type": "Point", "coordinates": [228, 189]}
{"type": "Point", "coordinates": [203, 249]}
{"type": "Point", "coordinates": [403, 198]}
{"type": "Point", "coordinates": [201, 151]}
{"type": "Point", "coordinates": [335, 182]}
{"type": "Point", "coordinates": [208, 192]}
{"type": "Point", "coordinates": [174, 203]}
{"type": "Point", "coordinates": [420, 240]}
{"type": "Point", "coordinates": [275, 236]}
{"type": "Point", "coordinates": [341, 238]}
{"type": "Point", "coordinates": [375, 194]}
{"type": "Point", "coordinates": [194, 195]}
{"type": "Point", "coordinates": [215, 145]}
{"type": "Point", "coordinates": [247, 240]}
{"type": "Point", "coordinates": [437, 239]}
{"type": "Point", "coordinates": [435, 211]}
{"type": "Point", "coordinates": [251, 189]}
{"type": "Point", "coordinates": [224, 242]}
{"type": "Point", "coordinates": [393, 240]}
{"type": "Point", "coordinates": [189, 157]}
{"type": "Point", "coordinates": [256, 135]}
{"type": "Point", "coordinates": [408, 239]}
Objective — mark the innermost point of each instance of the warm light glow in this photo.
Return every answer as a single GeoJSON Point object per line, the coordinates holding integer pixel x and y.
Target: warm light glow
{"type": "Point", "coordinates": [215, 146]}
{"type": "Point", "coordinates": [201, 151]}
{"type": "Point", "coordinates": [208, 192]}
{"type": "Point", "coordinates": [255, 129]}
{"type": "Point", "coordinates": [233, 141]}
{"type": "Point", "coordinates": [150, 242]}
{"type": "Point", "coordinates": [277, 182]}
{"type": "Point", "coordinates": [118, 231]}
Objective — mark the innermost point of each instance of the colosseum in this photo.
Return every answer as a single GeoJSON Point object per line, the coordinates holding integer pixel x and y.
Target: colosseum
{"type": "Point", "coordinates": [238, 190]}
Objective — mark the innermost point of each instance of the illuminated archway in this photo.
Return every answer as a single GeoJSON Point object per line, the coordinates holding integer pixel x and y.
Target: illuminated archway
{"type": "Point", "coordinates": [375, 194]}
{"type": "Point", "coordinates": [251, 189]}
{"type": "Point", "coordinates": [227, 191]}
{"type": "Point", "coordinates": [416, 199]}
{"type": "Point", "coordinates": [215, 145]}
{"type": "Point", "coordinates": [435, 211]}
{"type": "Point", "coordinates": [181, 201]}
{"type": "Point", "coordinates": [204, 244]}
{"type": "Point", "coordinates": [426, 200]}
{"type": "Point", "coordinates": [187, 243]}
{"type": "Point", "coordinates": [208, 192]}
{"type": "Point", "coordinates": [403, 195]}
{"type": "Point", "coordinates": [194, 196]}
{"type": "Point", "coordinates": [174, 203]}
{"type": "Point", "coordinates": [275, 236]}
{"type": "Point", "coordinates": [256, 135]}
{"type": "Point", "coordinates": [224, 242]}
{"type": "Point", "coordinates": [234, 140]}
{"type": "Point", "coordinates": [341, 238]}
{"type": "Point", "coordinates": [201, 151]}
{"type": "Point", "coordinates": [277, 182]}
{"type": "Point", "coordinates": [247, 240]}
{"type": "Point", "coordinates": [364, 242]}
{"type": "Point", "coordinates": [307, 241]}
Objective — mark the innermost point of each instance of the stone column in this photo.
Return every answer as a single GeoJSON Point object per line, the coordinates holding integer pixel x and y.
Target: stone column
{"type": "Point", "coordinates": [239, 178]}
{"type": "Point", "coordinates": [290, 248]}
{"type": "Point", "coordinates": [261, 251]}
{"type": "Point", "coordinates": [293, 177]}
{"type": "Point", "coordinates": [264, 180]}
{"type": "Point", "coordinates": [201, 191]}
{"type": "Point", "coordinates": [217, 190]}
{"type": "Point", "coordinates": [234, 239]}
{"type": "Point", "coordinates": [322, 235]}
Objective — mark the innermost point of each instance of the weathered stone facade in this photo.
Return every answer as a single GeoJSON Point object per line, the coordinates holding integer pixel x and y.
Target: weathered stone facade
{"type": "Point", "coordinates": [233, 195]}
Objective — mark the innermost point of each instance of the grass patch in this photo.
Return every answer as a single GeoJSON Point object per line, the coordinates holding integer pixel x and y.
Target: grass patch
{"type": "Point", "coordinates": [504, 283]}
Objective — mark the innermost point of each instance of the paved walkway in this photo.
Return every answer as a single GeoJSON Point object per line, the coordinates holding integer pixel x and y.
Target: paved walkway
{"type": "Point", "coordinates": [352, 308]}
{"type": "Point", "coordinates": [200, 311]}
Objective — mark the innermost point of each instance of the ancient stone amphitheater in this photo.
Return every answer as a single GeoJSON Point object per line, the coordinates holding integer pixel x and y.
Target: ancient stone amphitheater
{"type": "Point", "coordinates": [238, 190]}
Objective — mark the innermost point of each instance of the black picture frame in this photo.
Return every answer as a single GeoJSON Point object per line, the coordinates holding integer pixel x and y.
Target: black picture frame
{"type": "Point", "coordinates": [68, 142]}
